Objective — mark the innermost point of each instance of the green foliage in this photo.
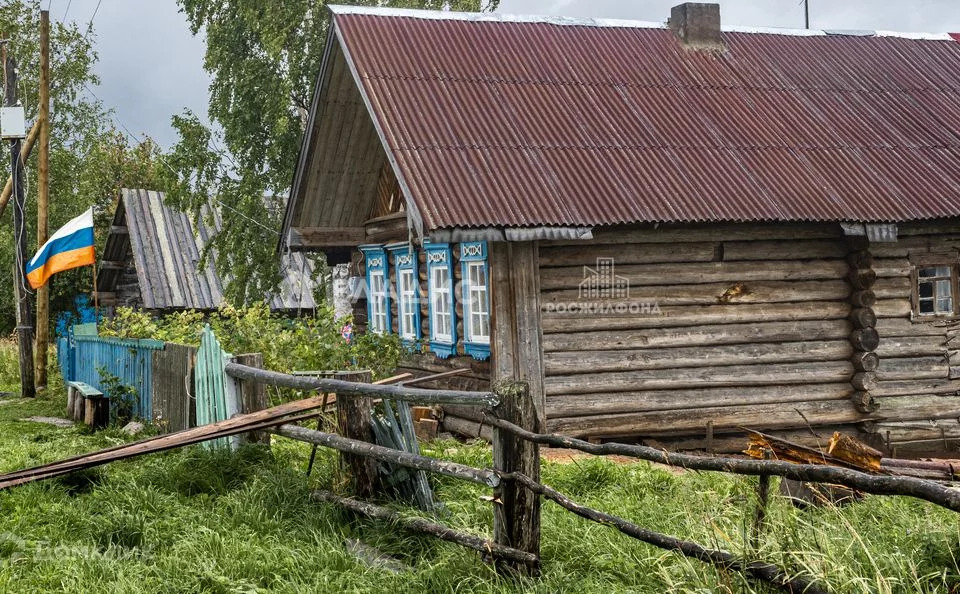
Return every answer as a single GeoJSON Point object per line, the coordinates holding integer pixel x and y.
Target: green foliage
{"type": "Point", "coordinates": [9, 366]}
{"type": "Point", "coordinates": [308, 343]}
{"type": "Point", "coordinates": [123, 397]}
{"type": "Point", "coordinates": [264, 58]}
{"type": "Point", "coordinates": [89, 159]}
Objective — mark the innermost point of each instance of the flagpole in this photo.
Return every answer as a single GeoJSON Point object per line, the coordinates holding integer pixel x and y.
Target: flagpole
{"type": "Point", "coordinates": [96, 306]}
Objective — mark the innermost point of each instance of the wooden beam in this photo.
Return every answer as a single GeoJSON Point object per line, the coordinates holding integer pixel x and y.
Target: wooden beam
{"type": "Point", "coordinates": [119, 230]}
{"type": "Point", "coordinates": [318, 237]}
{"type": "Point", "coordinates": [518, 374]}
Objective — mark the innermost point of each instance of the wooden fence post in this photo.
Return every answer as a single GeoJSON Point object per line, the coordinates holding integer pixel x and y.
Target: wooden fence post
{"type": "Point", "coordinates": [354, 420]}
{"type": "Point", "coordinates": [253, 396]}
{"type": "Point", "coordinates": [516, 518]}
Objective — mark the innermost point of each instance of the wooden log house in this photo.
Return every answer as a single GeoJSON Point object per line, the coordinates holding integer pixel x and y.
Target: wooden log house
{"type": "Point", "coordinates": [671, 231]}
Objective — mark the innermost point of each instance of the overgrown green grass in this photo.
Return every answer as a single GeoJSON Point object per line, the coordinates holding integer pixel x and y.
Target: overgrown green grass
{"type": "Point", "coordinates": [195, 521]}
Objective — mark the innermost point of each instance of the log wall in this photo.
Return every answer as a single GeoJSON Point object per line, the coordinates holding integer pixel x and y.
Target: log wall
{"type": "Point", "coordinates": [743, 326]}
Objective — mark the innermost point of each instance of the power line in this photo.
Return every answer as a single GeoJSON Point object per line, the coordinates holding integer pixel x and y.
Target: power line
{"type": "Point", "coordinates": [63, 19]}
{"type": "Point", "coordinates": [93, 16]}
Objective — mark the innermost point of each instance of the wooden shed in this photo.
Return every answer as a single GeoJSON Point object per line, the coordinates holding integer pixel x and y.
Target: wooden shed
{"type": "Point", "coordinates": [672, 232]}
{"type": "Point", "coordinates": [151, 261]}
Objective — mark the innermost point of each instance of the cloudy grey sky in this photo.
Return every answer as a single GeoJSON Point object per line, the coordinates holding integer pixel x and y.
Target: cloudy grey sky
{"type": "Point", "coordinates": [151, 67]}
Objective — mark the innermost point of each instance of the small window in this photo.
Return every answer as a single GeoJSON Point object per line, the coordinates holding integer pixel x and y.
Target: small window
{"type": "Point", "coordinates": [408, 295]}
{"type": "Point", "coordinates": [443, 327]}
{"type": "Point", "coordinates": [476, 296]}
{"type": "Point", "coordinates": [378, 293]}
{"type": "Point", "coordinates": [935, 290]}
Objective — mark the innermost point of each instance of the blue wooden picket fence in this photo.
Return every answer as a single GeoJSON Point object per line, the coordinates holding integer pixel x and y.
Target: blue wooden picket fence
{"type": "Point", "coordinates": [81, 356]}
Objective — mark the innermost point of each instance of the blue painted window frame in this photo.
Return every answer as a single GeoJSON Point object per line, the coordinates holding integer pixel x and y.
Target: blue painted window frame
{"type": "Point", "coordinates": [405, 260]}
{"type": "Point", "coordinates": [472, 252]}
{"type": "Point", "coordinates": [376, 262]}
{"type": "Point", "coordinates": [440, 257]}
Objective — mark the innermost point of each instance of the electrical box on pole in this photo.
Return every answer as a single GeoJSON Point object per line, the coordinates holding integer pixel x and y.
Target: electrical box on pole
{"type": "Point", "coordinates": [13, 124]}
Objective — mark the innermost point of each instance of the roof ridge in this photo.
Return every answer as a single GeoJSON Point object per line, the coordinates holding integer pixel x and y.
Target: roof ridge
{"type": "Point", "coordinates": [499, 17]}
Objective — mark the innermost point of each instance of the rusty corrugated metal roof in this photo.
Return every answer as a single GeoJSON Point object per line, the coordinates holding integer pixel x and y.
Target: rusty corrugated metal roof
{"type": "Point", "coordinates": [165, 246]}
{"type": "Point", "coordinates": [494, 121]}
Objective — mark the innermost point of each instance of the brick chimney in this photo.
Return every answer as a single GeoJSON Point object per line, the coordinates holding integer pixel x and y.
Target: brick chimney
{"type": "Point", "coordinates": [697, 25]}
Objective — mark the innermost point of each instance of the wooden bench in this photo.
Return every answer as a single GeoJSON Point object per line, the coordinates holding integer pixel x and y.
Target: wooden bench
{"type": "Point", "coordinates": [87, 404]}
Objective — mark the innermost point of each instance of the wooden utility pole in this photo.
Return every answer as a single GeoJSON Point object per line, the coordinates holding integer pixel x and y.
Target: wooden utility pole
{"type": "Point", "coordinates": [43, 196]}
{"type": "Point", "coordinates": [22, 295]}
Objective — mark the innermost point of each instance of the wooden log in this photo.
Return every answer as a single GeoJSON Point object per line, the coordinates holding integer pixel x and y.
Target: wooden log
{"type": "Point", "coordinates": [591, 317]}
{"type": "Point", "coordinates": [253, 396]}
{"type": "Point", "coordinates": [865, 339]}
{"type": "Point", "coordinates": [398, 457]}
{"type": "Point", "coordinates": [892, 287]}
{"type": "Point", "coordinates": [626, 254]}
{"type": "Point", "coordinates": [913, 368]}
{"type": "Point", "coordinates": [864, 298]}
{"type": "Point", "coordinates": [865, 361]}
{"type": "Point", "coordinates": [359, 389]}
{"type": "Point", "coordinates": [516, 521]}
{"type": "Point", "coordinates": [854, 451]}
{"type": "Point", "coordinates": [910, 387]}
{"type": "Point", "coordinates": [71, 401]}
{"type": "Point", "coordinates": [422, 525]}
{"type": "Point", "coordinates": [683, 233]}
{"type": "Point", "coordinates": [895, 347]}
{"type": "Point", "coordinates": [714, 293]}
{"type": "Point", "coordinates": [765, 572]}
{"type": "Point", "coordinates": [864, 381]}
{"type": "Point", "coordinates": [888, 267]}
{"type": "Point", "coordinates": [686, 336]}
{"type": "Point", "coordinates": [735, 442]}
{"type": "Point", "coordinates": [783, 250]}
{"type": "Point", "coordinates": [566, 363]}
{"type": "Point", "coordinates": [893, 327]}
{"type": "Point", "coordinates": [862, 278]}
{"type": "Point", "coordinates": [79, 407]}
{"type": "Point", "coordinates": [577, 405]}
{"type": "Point", "coordinates": [702, 377]}
{"type": "Point", "coordinates": [863, 317]}
{"type": "Point", "coordinates": [355, 422]}
{"type": "Point", "coordinates": [705, 272]}
{"type": "Point", "coordinates": [893, 308]}
{"type": "Point", "coordinates": [467, 428]}
{"type": "Point", "coordinates": [865, 402]}
{"type": "Point", "coordinates": [725, 419]}
{"type": "Point", "coordinates": [925, 429]}
{"type": "Point", "coordinates": [860, 259]}
{"type": "Point", "coordinates": [941, 495]}
{"type": "Point", "coordinates": [96, 412]}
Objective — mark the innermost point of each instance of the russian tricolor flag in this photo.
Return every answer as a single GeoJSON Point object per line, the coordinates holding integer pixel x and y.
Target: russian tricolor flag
{"type": "Point", "coordinates": [70, 247]}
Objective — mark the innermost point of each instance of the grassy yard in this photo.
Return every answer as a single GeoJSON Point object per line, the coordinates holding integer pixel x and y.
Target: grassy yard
{"type": "Point", "coordinates": [193, 521]}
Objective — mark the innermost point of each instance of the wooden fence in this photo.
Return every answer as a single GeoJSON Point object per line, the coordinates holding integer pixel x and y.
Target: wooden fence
{"type": "Point", "coordinates": [514, 478]}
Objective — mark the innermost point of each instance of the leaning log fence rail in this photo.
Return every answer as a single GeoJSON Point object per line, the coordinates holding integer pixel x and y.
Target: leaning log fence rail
{"type": "Point", "coordinates": [514, 478]}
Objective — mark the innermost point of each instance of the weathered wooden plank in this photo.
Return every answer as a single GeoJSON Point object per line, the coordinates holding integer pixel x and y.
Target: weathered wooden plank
{"type": "Point", "coordinates": [305, 237]}
{"type": "Point", "coordinates": [717, 293]}
{"type": "Point", "coordinates": [916, 386]}
{"type": "Point", "coordinates": [675, 316]}
{"type": "Point", "coordinates": [704, 272]}
{"type": "Point", "coordinates": [564, 363]}
{"type": "Point", "coordinates": [727, 376]}
{"type": "Point", "coordinates": [564, 405]}
{"type": "Point", "coordinates": [716, 334]}
{"type": "Point", "coordinates": [769, 416]}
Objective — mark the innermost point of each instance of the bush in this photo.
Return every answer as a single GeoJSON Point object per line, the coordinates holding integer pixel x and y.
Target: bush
{"type": "Point", "coordinates": [307, 343]}
{"type": "Point", "coordinates": [9, 366]}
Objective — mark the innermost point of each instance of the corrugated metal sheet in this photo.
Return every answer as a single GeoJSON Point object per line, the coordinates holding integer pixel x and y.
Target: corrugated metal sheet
{"type": "Point", "coordinates": [166, 247]}
{"type": "Point", "coordinates": [517, 123]}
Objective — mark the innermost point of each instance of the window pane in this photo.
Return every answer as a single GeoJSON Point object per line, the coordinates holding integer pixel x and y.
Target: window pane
{"type": "Point", "coordinates": [925, 288]}
{"type": "Point", "coordinates": [927, 272]}
{"type": "Point", "coordinates": [943, 288]}
{"type": "Point", "coordinates": [945, 305]}
{"type": "Point", "coordinates": [926, 306]}
{"type": "Point", "coordinates": [943, 271]}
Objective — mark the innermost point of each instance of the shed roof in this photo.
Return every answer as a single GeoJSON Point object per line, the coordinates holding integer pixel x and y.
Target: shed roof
{"type": "Point", "coordinates": [493, 120]}
{"type": "Point", "coordinates": [166, 247]}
